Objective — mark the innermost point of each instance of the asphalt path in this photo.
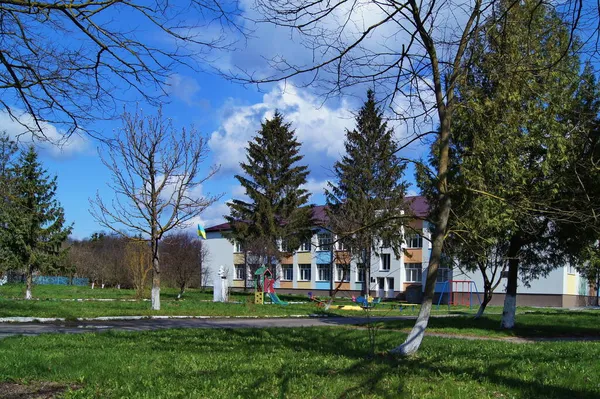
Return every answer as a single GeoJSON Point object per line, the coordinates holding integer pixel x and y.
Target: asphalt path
{"type": "Point", "coordinates": [75, 327]}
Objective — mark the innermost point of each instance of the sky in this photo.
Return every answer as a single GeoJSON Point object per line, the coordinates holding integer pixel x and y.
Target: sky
{"type": "Point", "coordinates": [229, 115]}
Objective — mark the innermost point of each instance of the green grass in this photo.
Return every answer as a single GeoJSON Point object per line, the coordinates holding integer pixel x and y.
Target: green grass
{"type": "Point", "coordinates": [58, 301]}
{"type": "Point", "coordinates": [298, 363]}
{"type": "Point", "coordinates": [533, 323]}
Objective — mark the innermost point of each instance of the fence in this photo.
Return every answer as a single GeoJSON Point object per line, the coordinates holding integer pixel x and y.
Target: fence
{"type": "Point", "coordinates": [16, 277]}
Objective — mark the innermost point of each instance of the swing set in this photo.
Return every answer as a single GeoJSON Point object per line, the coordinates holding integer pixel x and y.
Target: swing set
{"type": "Point", "coordinates": [460, 293]}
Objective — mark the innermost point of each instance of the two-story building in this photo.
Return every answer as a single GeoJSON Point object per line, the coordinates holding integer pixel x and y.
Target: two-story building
{"type": "Point", "coordinates": [318, 266]}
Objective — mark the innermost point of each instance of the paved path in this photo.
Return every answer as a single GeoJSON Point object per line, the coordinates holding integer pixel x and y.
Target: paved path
{"type": "Point", "coordinates": [75, 327]}
{"type": "Point", "coordinates": [72, 327]}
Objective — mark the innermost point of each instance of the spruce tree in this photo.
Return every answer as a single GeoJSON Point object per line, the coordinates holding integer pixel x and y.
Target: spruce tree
{"type": "Point", "coordinates": [278, 207]}
{"type": "Point", "coordinates": [368, 193]}
{"type": "Point", "coordinates": [8, 149]}
{"type": "Point", "coordinates": [36, 221]}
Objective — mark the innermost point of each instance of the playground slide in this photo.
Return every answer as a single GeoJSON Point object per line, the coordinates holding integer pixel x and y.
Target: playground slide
{"type": "Point", "coordinates": [275, 299]}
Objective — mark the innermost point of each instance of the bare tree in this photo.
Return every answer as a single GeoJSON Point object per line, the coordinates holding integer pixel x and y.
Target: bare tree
{"type": "Point", "coordinates": [156, 177]}
{"type": "Point", "coordinates": [64, 61]}
{"type": "Point", "coordinates": [183, 254]}
{"type": "Point", "coordinates": [138, 263]}
{"type": "Point", "coordinates": [414, 53]}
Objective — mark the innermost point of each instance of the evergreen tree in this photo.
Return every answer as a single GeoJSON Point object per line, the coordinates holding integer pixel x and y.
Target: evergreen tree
{"type": "Point", "coordinates": [8, 149]}
{"type": "Point", "coordinates": [365, 200]}
{"type": "Point", "coordinates": [277, 209]}
{"type": "Point", "coordinates": [514, 138]}
{"type": "Point", "coordinates": [36, 221]}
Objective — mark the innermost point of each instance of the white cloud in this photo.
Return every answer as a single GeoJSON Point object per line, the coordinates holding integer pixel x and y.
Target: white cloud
{"type": "Point", "coordinates": [320, 128]}
{"type": "Point", "coordinates": [50, 140]}
{"type": "Point", "coordinates": [184, 88]}
{"type": "Point", "coordinates": [315, 187]}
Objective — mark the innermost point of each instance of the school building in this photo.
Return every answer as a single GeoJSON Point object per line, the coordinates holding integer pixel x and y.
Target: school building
{"type": "Point", "coordinates": [310, 269]}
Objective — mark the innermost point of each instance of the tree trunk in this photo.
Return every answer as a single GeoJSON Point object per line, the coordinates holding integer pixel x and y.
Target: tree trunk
{"type": "Point", "coordinates": [93, 283]}
{"type": "Point", "coordinates": [155, 276]}
{"type": "Point", "coordinates": [510, 299]}
{"type": "Point", "coordinates": [415, 337]}
{"type": "Point", "coordinates": [598, 291]}
{"type": "Point", "coordinates": [181, 291]}
{"type": "Point", "coordinates": [413, 341]}
{"type": "Point", "coordinates": [29, 281]}
{"type": "Point", "coordinates": [487, 297]}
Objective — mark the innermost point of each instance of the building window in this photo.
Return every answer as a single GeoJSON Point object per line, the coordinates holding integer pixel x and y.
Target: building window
{"type": "Point", "coordinates": [342, 273]}
{"type": "Point", "coordinates": [385, 262]}
{"type": "Point", "coordinates": [283, 246]}
{"type": "Point", "coordinates": [287, 272]}
{"type": "Point", "coordinates": [414, 273]}
{"type": "Point", "coordinates": [323, 272]}
{"type": "Point", "coordinates": [341, 246]}
{"type": "Point", "coordinates": [305, 246]}
{"type": "Point", "coordinates": [570, 269]}
{"type": "Point", "coordinates": [240, 272]}
{"type": "Point", "coordinates": [414, 240]}
{"type": "Point", "coordinates": [443, 275]}
{"type": "Point", "coordinates": [238, 247]}
{"type": "Point", "coordinates": [304, 272]}
{"type": "Point", "coordinates": [253, 269]}
{"type": "Point", "coordinates": [324, 241]}
{"type": "Point", "coordinates": [385, 243]}
{"type": "Point", "coordinates": [360, 273]}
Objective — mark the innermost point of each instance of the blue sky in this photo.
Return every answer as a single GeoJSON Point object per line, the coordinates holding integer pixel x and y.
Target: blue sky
{"type": "Point", "coordinates": [229, 114]}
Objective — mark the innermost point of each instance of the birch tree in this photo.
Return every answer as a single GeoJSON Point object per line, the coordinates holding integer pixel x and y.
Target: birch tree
{"type": "Point", "coordinates": [415, 54]}
{"type": "Point", "coordinates": [156, 176]}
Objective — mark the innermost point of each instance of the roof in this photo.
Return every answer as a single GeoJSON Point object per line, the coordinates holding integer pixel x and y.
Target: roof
{"type": "Point", "coordinates": [417, 203]}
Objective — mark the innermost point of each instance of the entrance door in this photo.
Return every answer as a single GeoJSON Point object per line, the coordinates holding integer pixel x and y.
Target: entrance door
{"type": "Point", "coordinates": [390, 287]}
{"type": "Point", "coordinates": [380, 287]}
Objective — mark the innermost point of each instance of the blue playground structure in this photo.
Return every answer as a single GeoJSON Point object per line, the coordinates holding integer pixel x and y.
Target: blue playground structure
{"type": "Point", "coordinates": [457, 294]}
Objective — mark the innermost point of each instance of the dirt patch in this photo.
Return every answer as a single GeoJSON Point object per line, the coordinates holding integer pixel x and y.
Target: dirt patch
{"type": "Point", "coordinates": [33, 390]}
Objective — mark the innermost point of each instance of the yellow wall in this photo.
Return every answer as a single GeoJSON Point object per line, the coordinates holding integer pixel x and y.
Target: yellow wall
{"type": "Point", "coordinates": [238, 259]}
{"type": "Point", "coordinates": [286, 284]}
{"type": "Point", "coordinates": [304, 285]}
{"type": "Point", "coordinates": [288, 260]}
{"type": "Point", "coordinates": [416, 256]}
{"type": "Point", "coordinates": [571, 284]}
{"type": "Point", "coordinates": [304, 258]}
{"type": "Point", "coordinates": [238, 283]}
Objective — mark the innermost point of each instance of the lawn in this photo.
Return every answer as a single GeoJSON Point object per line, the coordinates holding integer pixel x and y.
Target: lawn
{"type": "Point", "coordinates": [297, 363]}
{"type": "Point", "coordinates": [529, 323]}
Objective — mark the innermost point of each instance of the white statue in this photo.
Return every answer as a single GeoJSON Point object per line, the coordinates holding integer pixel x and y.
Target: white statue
{"type": "Point", "coordinates": [220, 287]}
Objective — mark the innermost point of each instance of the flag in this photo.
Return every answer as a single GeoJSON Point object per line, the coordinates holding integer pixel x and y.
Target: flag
{"type": "Point", "coordinates": [201, 232]}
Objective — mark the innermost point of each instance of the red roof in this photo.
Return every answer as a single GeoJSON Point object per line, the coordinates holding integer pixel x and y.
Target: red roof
{"type": "Point", "coordinates": [417, 203]}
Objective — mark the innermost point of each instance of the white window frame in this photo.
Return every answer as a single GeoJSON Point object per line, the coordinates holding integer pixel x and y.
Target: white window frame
{"type": "Point", "coordinates": [305, 246]}
{"type": "Point", "coordinates": [339, 273]}
{"type": "Point", "coordinates": [287, 268]}
{"type": "Point", "coordinates": [302, 270]}
{"type": "Point", "coordinates": [361, 272]}
{"type": "Point", "coordinates": [237, 247]}
{"type": "Point", "coordinates": [571, 269]}
{"type": "Point", "coordinates": [340, 245]}
{"type": "Point", "coordinates": [323, 270]}
{"type": "Point", "coordinates": [324, 241]}
{"type": "Point", "coordinates": [443, 272]}
{"type": "Point", "coordinates": [410, 244]}
{"type": "Point", "coordinates": [383, 264]}
{"type": "Point", "coordinates": [237, 269]}
{"type": "Point", "coordinates": [413, 272]}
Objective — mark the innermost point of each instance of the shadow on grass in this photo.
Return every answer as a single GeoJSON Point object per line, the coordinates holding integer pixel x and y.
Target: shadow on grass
{"type": "Point", "coordinates": [517, 369]}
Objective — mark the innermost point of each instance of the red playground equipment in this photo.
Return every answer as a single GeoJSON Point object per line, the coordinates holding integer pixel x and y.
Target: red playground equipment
{"type": "Point", "coordinates": [460, 292]}
{"type": "Point", "coordinates": [265, 284]}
